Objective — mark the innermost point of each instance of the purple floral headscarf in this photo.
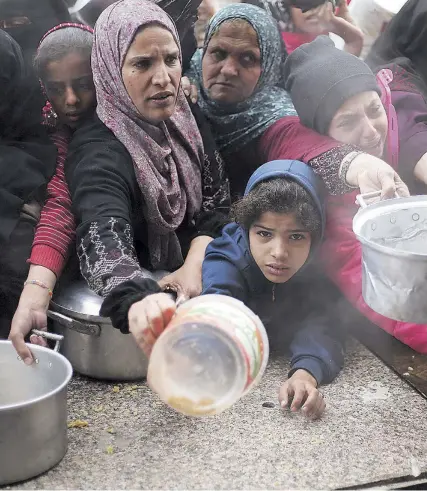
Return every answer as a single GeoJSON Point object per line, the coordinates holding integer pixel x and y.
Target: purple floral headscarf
{"type": "Point", "coordinates": [167, 158]}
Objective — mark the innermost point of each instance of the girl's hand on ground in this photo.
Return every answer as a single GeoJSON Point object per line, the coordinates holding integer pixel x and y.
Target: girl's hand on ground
{"type": "Point", "coordinates": [300, 392]}
{"type": "Point", "coordinates": [149, 317]}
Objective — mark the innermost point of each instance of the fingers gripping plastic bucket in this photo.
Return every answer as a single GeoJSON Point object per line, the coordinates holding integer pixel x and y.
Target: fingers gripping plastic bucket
{"type": "Point", "coordinates": [213, 352]}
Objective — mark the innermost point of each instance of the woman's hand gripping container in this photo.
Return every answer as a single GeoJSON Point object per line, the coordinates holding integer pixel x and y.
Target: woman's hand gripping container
{"type": "Point", "coordinates": [213, 352]}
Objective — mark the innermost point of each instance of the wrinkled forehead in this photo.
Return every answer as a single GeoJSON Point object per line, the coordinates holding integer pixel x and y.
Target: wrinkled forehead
{"type": "Point", "coordinates": [236, 29]}
{"type": "Point", "coordinates": [118, 25]}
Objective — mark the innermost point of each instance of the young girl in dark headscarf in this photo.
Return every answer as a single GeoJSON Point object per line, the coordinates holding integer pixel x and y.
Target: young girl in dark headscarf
{"type": "Point", "coordinates": [27, 162]}
{"type": "Point", "coordinates": [63, 66]}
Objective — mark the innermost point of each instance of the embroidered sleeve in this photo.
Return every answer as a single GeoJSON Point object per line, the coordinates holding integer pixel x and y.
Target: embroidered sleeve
{"type": "Point", "coordinates": [216, 198]}
{"type": "Point", "coordinates": [107, 255]}
{"type": "Point", "coordinates": [216, 187]}
{"type": "Point", "coordinates": [327, 166]}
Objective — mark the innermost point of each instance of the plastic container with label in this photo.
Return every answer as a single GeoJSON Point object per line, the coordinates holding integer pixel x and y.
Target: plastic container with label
{"type": "Point", "coordinates": [212, 353]}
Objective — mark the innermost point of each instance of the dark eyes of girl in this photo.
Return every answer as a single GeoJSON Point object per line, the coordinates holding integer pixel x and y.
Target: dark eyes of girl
{"type": "Point", "coordinates": [58, 90]}
{"type": "Point", "coordinates": [297, 237]}
{"type": "Point", "coordinates": [54, 91]}
{"type": "Point", "coordinates": [84, 84]}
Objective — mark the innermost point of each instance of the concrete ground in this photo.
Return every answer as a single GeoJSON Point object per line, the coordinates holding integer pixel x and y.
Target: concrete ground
{"type": "Point", "coordinates": [373, 431]}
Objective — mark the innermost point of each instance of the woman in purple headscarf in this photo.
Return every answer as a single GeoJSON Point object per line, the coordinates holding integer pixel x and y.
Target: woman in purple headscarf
{"type": "Point", "coordinates": [146, 187]}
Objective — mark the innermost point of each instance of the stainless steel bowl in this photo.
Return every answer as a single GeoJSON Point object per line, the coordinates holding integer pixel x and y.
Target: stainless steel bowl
{"type": "Point", "coordinates": [394, 277]}
{"type": "Point", "coordinates": [33, 412]}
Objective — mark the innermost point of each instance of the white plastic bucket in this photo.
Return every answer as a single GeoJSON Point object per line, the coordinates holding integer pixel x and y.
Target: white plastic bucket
{"type": "Point", "coordinates": [372, 16]}
{"type": "Point", "coordinates": [213, 352]}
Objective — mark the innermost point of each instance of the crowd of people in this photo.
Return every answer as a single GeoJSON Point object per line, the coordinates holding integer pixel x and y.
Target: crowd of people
{"type": "Point", "coordinates": [227, 169]}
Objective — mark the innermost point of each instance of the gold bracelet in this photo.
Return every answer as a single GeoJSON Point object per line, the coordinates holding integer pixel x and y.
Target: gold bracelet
{"type": "Point", "coordinates": [40, 284]}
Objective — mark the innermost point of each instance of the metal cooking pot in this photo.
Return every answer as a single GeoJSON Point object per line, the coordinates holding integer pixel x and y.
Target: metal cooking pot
{"type": "Point", "coordinates": [393, 234]}
{"type": "Point", "coordinates": [93, 346]}
{"type": "Point", "coordinates": [33, 411]}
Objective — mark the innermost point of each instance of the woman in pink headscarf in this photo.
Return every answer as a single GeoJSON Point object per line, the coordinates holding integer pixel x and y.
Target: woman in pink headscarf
{"type": "Point", "coordinates": [146, 188]}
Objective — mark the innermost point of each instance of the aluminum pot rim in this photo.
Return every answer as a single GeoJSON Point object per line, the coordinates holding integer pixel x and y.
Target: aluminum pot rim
{"type": "Point", "coordinates": [414, 256]}
{"type": "Point", "coordinates": [53, 392]}
{"type": "Point", "coordinates": [73, 314]}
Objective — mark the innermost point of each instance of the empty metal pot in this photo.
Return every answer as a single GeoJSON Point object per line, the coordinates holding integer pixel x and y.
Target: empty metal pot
{"type": "Point", "coordinates": [33, 412]}
{"type": "Point", "coordinates": [393, 234]}
{"type": "Point", "coordinates": [91, 344]}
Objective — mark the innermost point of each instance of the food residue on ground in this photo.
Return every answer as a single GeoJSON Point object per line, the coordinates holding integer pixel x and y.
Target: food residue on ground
{"type": "Point", "coordinates": [112, 431]}
{"type": "Point", "coordinates": [109, 450]}
{"type": "Point", "coordinates": [98, 409]}
{"type": "Point", "coordinates": [192, 408]}
{"type": "Point", "coordinates": [116, 388]}
{"type": "Point", "coordinates": [410, 369]}
{"type": "Point", "coordinates": [78, 423]}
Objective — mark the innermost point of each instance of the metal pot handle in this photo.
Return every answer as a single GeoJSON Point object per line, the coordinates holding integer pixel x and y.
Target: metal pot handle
{"type": "Point", "coordinates": [49, 335]}
{"type": "Point", "coordinates": [360, 198]}
{"type": "Point", "coordinates": [75, 325]}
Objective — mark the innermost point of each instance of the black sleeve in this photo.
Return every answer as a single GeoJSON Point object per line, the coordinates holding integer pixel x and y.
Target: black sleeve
{"type": "Point", "coordinates": [100, 175]}
{"type": "Point", "coordinates": [25, 167]}
{"type": "Point", "coordinates": [215, 184]}
{"type": "Point", "coordinates": [27, 159]}
{"type": "Point", "coordinates": [118, 302]}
